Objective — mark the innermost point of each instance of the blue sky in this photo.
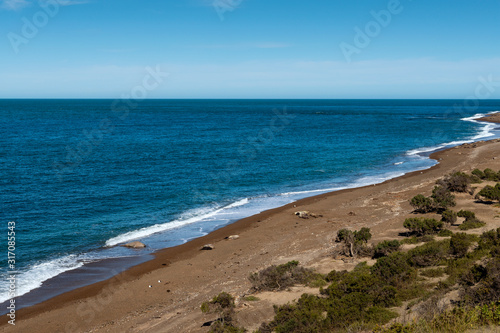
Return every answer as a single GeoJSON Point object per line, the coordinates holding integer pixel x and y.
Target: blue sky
{"type": "Point", "coordinates": [250, 48]}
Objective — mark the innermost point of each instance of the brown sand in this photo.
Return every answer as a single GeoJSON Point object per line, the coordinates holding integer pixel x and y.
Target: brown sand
{"type": "Point", "coordinates": [494, 118]}
{"type": "Point", "coordinates": [183, 277]}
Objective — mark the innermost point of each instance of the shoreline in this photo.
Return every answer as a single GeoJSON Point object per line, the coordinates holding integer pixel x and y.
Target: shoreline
{"type": "Point", "coordinates": [187, 251]}
{"type": "Point", "coordinates": [131, 259]}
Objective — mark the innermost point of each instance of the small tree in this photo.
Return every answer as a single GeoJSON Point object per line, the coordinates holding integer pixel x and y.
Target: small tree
{"type": "Point", "coordinates": [442, 198]}
{"type": "Point", "coordinates": [363, 235]}
{"type": "Point", "coordinates": [422, 204]}
{"type": "Point", "coordinates": [354, 241]}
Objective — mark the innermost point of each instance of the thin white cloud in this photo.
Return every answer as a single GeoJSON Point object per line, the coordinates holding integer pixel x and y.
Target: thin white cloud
{"type": "Point", "coordinates": [14, 4]}
{"type": "Point", "coordinates": [257, 45]}
{"type": "Point", "coordinates": [71, 3]}
{"type": "Point", "coordinates": [20, 4]}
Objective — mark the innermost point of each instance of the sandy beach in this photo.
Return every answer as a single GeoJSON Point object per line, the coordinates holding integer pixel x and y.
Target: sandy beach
{"type": "Point", "coordinates": [165, 294]}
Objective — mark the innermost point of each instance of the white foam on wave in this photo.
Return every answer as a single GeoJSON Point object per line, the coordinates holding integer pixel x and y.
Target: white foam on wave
{"type": "Point", "coordinates": [191, 216]}
{"type": "Point", "coordinates": [364, 181]}
{"type": "Point", "coordinates": [35, 275]}
{"type": "Point", "coordinates": [486, 131]}
{"type": "Point", "coordinates": [239, 203]}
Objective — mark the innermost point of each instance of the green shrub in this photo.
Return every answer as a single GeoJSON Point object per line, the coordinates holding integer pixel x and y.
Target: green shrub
{"type": "Point", "coordinates": [471, 224]}
{"type": "Point", "coordinates": [410, 240]}
{"type": "Point", "coordinates": [449, 216]}
{"type": "Point", "coordinates": [363, 235]}
{"type": "Point", "coordinates": [221, 301]}
{"type": "Point", "coordinates": [305, 316]}
{"type": "Point", "coordinates": [432, 272]}
{"type": "Point", "coordinates": [456, 182]}
{"type": "Point", "coordinates": [223, 304]}
{"type": "Point", "coordinates": [484, 284]}
{"type": "Point", "coordinates": [429, 254]}
{"type": "Point", "coordinates": [442, 198]}
{"type": "Point", "coordinates": [422, 204]}
{"type": "Point", "coordinates": [445, 233]}
{"type": "Point", "coordinates": [459, 319]}
{"type": "Point", "coordinates": [489, 192]}
{"type": "Point", "coordinates": [281, 277]}
{"type": "Point", "coordinates": [426, 238]}
{"type": "Point", "coordinates": [490, 175]}
{"type": "Point", "coordinates": [335, 275]}
{"type": "Point", "coordinates": [393, 269]}
{"type": "Point", "coordinates": [460, 243]}
{"type": "Point", "coordinates": [355, 242]}
{"type": "Point", "coordinates": [343, 235]}
{"type": "Point", "coordinates": [423, 226]}
{"type": "Point", "coordinates": [467, 214]}
{"type": "Point", "coordinates": [489, 239]}
{"type": "Point", "coordinates": [478, 173]}
{"type": "Point", "coordinates": [385, 248]}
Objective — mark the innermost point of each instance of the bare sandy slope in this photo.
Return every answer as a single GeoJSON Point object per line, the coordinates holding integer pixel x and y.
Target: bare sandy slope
{"type": "Point", "coordinates": [182, 278]}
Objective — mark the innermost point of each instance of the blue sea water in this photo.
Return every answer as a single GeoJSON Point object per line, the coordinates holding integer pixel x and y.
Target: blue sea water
{"type": "Point", "coordinates": [82, 176]}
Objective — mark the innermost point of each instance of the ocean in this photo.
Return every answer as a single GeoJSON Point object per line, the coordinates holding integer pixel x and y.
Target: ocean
{"type": "Point", "coordinates": [80, 177]}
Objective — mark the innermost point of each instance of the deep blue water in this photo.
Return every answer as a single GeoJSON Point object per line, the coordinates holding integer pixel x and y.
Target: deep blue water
{"type": "Point", "coordinates": [80, 176]}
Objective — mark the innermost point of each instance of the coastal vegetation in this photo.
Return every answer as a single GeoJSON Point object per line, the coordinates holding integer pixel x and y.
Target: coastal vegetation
{"type": "Point", "coordinates": [444, 281]}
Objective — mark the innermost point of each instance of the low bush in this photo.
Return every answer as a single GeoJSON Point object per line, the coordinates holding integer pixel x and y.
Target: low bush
{"type": "Point", "coordinates": [394, 269]}
{"type": "Point", "coordinates": [489, 239]}
{"type": "Point", "coordinates": [445, 233]}
{"type": "Point", "coordinates": [484, 286]}
{"type": "Point", "coordinates": [223, 305]}
{"type": "Point", "coordinates": [423, 226]}
{"type": "Point", "coordinates": [489, 193]}
{"type": "Point", "coordinates": [385, 248]}
{"type": "Point", "coordinates": [467, 214]}
{"type": "Point", "coordinates": [471, 224]}
{"type": "Point", "coordinates": [460, 319]}
{"type": "Point", "coordinates": [353, 298]}
{"type": "Point", "coordinates": [281, 277]}
{"type": "Point", "coordinates": [432, 272]}
{"type": "Point", "coordinates": [456, 182]}
{"type": "Point", "coordinates": [429, 254]}
{"type": "Point", "coordinates": [490, 175]}
{"type": "Point", "coordinates": [449, 216]}
{"type": "Point", "coordinates": [460, 243]}
{"type": "Point", "coordinates": [478, 173]}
